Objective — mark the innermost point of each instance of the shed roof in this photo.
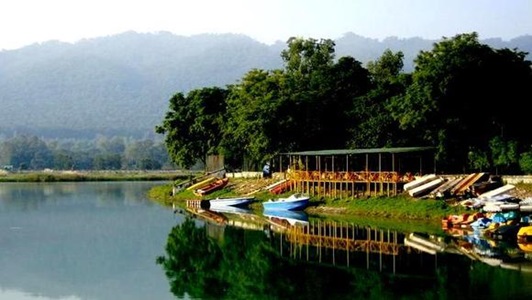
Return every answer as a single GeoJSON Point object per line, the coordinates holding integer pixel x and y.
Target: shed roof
{"type": "Point", "coordinates": [361, 151]}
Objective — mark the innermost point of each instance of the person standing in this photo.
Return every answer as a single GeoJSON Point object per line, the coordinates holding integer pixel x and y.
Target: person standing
{"type": "Point", "coordinates": [266, 171]}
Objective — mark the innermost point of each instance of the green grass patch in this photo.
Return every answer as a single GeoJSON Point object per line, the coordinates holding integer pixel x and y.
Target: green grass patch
{"type": "Point", "coordinates": [73, 176]}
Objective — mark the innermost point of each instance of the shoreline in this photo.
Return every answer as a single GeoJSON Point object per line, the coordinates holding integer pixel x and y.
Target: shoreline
{"type": "Point", "coordinates": [107, 175]}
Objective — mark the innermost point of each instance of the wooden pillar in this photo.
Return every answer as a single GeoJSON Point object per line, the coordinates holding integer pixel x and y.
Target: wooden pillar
{"type": "Point", "coordinates": [380, 173]}
{"type": "Point", "coordinates": [368, 185]}
{"type": "Point", "coordinates": [319, 174]}
{"type": "Point", "coordinates": [393, 170]}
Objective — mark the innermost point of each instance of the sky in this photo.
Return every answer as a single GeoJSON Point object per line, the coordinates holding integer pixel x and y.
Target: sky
{"type": "Point", "coordinates": [25, 22]}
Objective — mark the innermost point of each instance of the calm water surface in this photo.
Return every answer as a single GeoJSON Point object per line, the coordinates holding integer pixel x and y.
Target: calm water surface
{"type": "Point", "coordinates": [108, 241]}
{"type": "Point", "coordinates": [82, 241]}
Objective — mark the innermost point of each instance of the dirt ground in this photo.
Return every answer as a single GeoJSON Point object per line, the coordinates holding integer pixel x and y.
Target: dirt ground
{"type": "Point", "coordinates": [247, 186]}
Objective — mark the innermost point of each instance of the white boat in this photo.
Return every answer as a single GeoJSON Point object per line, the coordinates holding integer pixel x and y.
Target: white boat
{"type": "Point", "coordinates": [492, 207]}
{"type": "Point", "coordinates": [509, 206]}
{"type": "Point", "coordinates": [419, 181]}
{"type": "Point", "coordinates": [234, 201]}
{"type": "Point", "coordinates": [426, 188]}
{"type": "Point", "coordinates": [525, 207]}
{"type": "Point", "coordinates": [498, 191]}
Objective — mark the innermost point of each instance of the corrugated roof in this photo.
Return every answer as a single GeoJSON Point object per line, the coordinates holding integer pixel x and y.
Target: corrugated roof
{"type": "Point", "coordinates": [361, 151]}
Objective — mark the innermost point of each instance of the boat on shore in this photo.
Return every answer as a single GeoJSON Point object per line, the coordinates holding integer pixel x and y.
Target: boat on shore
{"type": "Point", "coordinates": [201, 183]}
{"type": "Point", "coordinates": [211, 187]}
{"type": "Point", "coordinates": [232, 201]}
{"type": "Point", "coordinates": [295, 201]}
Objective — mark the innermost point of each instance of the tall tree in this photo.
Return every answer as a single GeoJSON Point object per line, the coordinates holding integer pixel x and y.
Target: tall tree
{"type": "Point", "coordinates": [308, 68]}
{"type": "Point", "coordinates": [26, 152]}
{"type": "Point", "coordinates": [255, 106]}
{"type": "Point", "coordinates": [464, 93]}
{"type": "Point", "coordinates": [373, 124]}
{"type": "Point", "coordinates": [193, 124]}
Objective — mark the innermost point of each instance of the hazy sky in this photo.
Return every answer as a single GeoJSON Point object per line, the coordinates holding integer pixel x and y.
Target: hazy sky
{"type": "Point", "coordinates": [24, 22]}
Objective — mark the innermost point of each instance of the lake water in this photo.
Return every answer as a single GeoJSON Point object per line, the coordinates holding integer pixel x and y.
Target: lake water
{"type": "Point", "coordinates": [106, 240]}
{"type": "Point", "coordinates": [82, 241]}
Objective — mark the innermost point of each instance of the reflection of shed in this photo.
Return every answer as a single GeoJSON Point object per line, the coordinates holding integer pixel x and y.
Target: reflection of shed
{"type": "Point", "coordinates": [355, 172]}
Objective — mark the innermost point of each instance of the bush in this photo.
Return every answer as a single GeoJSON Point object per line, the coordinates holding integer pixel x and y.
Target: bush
{"type": "Point", "coordinates": [525, 162]}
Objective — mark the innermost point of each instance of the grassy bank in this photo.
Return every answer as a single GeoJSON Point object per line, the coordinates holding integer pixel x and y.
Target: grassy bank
{"type": "Point", "coordinates": [397, 208]}
{"type": "Point", "coordinates": [69, 176]}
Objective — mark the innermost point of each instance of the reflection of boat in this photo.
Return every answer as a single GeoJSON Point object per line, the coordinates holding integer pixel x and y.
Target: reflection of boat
{"type": "Point", "coordinates": [504, 232]}
{"type": "Point", "coordinates": [230, 210]}
{"type": "Point", "coordinates": [526, 247]}
{"type": "Point", "coordinates": [424, 243]}
{"type": "Point", "coordinates": [234, 201]}
{"type": "Point", "coordinates": [208, 215]}
{"type": "Point", "coordinates": [211, 187]}
{"type": "Point", "coordinates": [296, 201]}
{"type": "Point", "coordinates": [524, 266]}
{"type": "Point", "coordinates": [286, 217]}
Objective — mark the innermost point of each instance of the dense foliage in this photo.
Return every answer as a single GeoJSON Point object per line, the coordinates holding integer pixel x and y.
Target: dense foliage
{"type": "Point", "coordinates": [463, 98]}
{"type": "Point", "coordinates": [26, 152]}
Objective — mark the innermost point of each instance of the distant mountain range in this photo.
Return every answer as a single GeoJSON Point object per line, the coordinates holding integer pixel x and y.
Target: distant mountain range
{"type": "Point", "coordinates": [121, 84]}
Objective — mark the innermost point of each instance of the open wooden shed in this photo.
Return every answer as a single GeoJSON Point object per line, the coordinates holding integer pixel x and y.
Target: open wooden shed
{"type": "Point", "coordinates": [355, 172]}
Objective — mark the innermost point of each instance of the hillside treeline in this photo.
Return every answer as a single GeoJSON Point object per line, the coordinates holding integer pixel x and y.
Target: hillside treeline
{"type": "Point", "coordinates": [465, 98]}
{"type": "Point", "coordinates": [120, 84]}
{"type": "Point", "coordinates": [29, 152]}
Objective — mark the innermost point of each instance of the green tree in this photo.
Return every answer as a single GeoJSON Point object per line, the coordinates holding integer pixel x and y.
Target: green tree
{"type": "Point", "coordinates": [374, 125]}
{"type": "Point", "coordinates": [308, 64]}
{"type": "Point", "coordinates": [191, 262]}
{"type": "Point", "coordinates": [463, 93]}
{"type": "Point", "coordinates": [193, 125]}
{"type": "Point", "coordinates": [138, 155]}
{"type": "Point", "coordinates": [63, 159]}
{"type": "Point", "coordinates": [525, 162]}
{"type": "Point", "coordinates": [107, 161]}
{"type": "Point", "coordinates": [503, 154]}
{"type": "Point", "coordinates": [478, 160]}
{"type": "Point", "coordinates": [24, 151]}
{"type": "Point", "coordinates": [255, 117]}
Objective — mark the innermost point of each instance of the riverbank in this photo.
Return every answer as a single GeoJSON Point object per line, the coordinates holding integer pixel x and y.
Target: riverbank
{"type": "Point", "coordinates": [401, 207]}
{"type": "Point", "coordinates": [73, 176]}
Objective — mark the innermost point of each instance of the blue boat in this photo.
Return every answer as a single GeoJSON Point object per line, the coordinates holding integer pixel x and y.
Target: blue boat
{"type": "Point", "coordinates": [296, 201]}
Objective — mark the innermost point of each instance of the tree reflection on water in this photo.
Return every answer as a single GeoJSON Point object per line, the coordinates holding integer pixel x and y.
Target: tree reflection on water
{"type": "Point", "coordinates": [225, 262]}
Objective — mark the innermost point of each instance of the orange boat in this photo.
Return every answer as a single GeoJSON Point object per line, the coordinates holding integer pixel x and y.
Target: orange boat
{"type": "Point", "coordinates": [211, 187]}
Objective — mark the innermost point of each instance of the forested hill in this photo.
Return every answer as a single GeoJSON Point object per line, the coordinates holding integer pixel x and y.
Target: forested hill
{"type": "Point", "coordinates": [121, 84]}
